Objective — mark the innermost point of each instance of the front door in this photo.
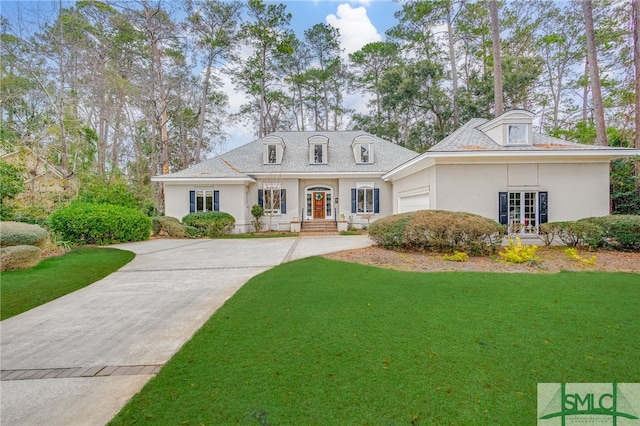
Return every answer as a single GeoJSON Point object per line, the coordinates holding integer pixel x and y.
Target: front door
{"type": "Point", "coordinates": [318, 205]}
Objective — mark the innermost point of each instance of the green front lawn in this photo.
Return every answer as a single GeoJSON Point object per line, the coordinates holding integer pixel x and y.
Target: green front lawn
{"type": "Point", "coordinates": [56, 276]}
{"type": "Point", "coordinates": [321, 342]}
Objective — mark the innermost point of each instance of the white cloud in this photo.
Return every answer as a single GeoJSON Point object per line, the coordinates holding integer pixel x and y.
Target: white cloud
{"type": "Point", "coordinates": [355, 28]}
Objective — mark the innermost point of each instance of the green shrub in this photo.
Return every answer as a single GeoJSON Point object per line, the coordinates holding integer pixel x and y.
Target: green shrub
{"type": "Point", "coordinates": [438, 230]}
{"type": "Point", "coordinates": [619, 232]}
{"type": "Point", "coordinates": [211, 224]}
{"type": "Point", "coordinates": [87, 223]}
{"type": "Point", "coordinates": [547, 233]}
{"type": "Point", "coordinates": [577, 233]}
{"type": "Point", "coordinates": [170, 226]}
{"type": "Point", "coordinates": [192, 231]}
{"type": "Point", "coordinates": [19, 257]}
{"type": "Point", "coordinates": [18, 234]}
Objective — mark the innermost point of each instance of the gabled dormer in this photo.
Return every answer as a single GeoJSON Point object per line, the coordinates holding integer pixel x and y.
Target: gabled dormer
{"type": "Point", "coordinates": [513, 128]}
{"type": "Point", "coordinates": [272, 150]}
{"type": "Point", "coordinates": [318, 150]}
{"type": "Point", "coordinates": [363, 149]}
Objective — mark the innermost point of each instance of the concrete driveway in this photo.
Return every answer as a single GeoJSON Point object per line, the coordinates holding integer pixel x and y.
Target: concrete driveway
{"type": "Point", "coordinates": [78, 359]}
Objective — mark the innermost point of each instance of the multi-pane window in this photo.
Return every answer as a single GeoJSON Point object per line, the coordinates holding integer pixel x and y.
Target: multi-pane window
{"type": "Point", "coordinates": [272, 154]}
{"type": "Point", "coordinates": [365, 200]}
{"type": "Point", "coordinates": [317, 154]}
{"type": "Point", "coordinates": [365, 153]}
{"type": "Point", "coordinates": [272, 201]}
{"type": "Point", "coordinates": [523, 212]}
{"type": "Point", "coordinates": [204, 201]}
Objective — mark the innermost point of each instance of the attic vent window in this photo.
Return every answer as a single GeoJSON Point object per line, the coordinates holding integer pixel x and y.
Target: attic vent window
{"type": "Point", "coordinates": [517, 134]}
{"type": "Point", "coordinates": [272, 154]}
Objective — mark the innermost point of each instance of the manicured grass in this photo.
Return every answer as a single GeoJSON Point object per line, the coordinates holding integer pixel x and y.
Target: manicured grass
{"type": "Point", "coordinates": [321, 342]}
{"type": "Point", "coordinates": [56, 276]}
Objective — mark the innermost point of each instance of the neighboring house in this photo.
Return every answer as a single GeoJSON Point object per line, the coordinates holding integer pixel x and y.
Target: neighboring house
{"type": "Point", "coordinates": [40, 176]}
{"type": "Point", "coordinates": [296, 176]}
{"type": "Point", "coordinates": [502, 170]}
{"type": "Point", "coordinates": [499, 169]}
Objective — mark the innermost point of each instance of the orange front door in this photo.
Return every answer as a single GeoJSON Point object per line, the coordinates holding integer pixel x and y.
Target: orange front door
{"type": "Point", "coordinates": [318, 205]}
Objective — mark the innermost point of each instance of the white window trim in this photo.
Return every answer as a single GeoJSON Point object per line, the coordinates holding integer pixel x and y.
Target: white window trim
{"type": "Point", "coordinates": [204, 194]}
{"type": "Point", "coordinates": [526, 137]}
{"type": "Point", "coordinates": [365, 186]}
{"type": "Point", "coordinates": [519, 225]}
{"type": "Point", "coordinates": [271, 188]}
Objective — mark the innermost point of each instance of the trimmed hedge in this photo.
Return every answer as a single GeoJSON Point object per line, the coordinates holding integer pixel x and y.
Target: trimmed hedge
{"type": "Point", "coordinates": [19, 257]}
{"type": "Point", "coordinates": [87, 223]}
{"type": "Point", "coordinates": [438, 230]}
{"type": "Point", "coordinates": [170, 226]}
{"type": "Point", "coordinates": [619, 232]}
{"type": "Point", "coordinates": [212, 224]}
{"type": "Point", "coordinates": [18, 234]}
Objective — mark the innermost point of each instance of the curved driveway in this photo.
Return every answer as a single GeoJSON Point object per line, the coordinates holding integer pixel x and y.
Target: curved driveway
{"type": "Point", "coordinates": [78, 359]}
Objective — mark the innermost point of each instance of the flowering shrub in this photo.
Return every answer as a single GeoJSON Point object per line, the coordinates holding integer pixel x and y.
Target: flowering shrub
{"type": "Point", "coordinates": [518, 253]}
{"type": "Point", "coordinates": [457, 256]}
{"type": "Point", "coordinates": [573, 255]}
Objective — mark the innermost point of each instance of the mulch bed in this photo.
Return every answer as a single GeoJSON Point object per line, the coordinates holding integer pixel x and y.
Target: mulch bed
{"type": "Point", "coordinates": [551, 260]}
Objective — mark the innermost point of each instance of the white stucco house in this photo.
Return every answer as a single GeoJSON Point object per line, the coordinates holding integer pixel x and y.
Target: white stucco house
{"type": "Point", "coordinates": [499, 169]}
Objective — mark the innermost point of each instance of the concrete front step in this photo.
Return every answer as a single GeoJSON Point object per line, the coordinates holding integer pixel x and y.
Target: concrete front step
{"type": "Point", "coordinates": [319, 227]}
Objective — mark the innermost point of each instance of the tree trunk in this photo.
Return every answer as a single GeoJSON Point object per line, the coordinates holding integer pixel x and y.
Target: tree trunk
{"type": "Point", "coordinates": [594, 75]}
{"type": "Point", "coordinates": [497, 60]}
{"type": "Point", "coordinates": [454, 70]}
{"type": "Point", "coordinates": [636, 56]}
{"type": "Point", "coordinates": [203, 109]}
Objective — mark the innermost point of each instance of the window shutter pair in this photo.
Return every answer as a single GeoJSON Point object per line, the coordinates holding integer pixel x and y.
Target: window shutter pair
{"type": "Point", "coordinates": [192, 201]}
{"type": "Point", "coordinates": [376, 200]}
{"type": "Point", "coordinates": [503, 207]}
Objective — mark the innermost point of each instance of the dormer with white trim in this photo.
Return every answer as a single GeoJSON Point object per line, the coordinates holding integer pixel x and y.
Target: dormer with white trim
{"type": "Point", "coordinates": [513, 128]}
{"type": "Point", "coordinates": [318, 150]}
{"type": "Point", "coordinates": [363, 149]}
{"type": "Point", "coordinates": [272, 150]}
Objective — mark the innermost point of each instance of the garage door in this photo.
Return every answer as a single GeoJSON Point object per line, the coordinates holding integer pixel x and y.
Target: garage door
{"type": "Point", "coordinates": [411, 203]}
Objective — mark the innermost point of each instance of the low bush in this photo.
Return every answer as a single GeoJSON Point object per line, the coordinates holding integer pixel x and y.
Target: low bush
{"type": "Point", "coordinates": [18, 234]}
{"type": "Point", "coordinates": [211, 224]}
{"type": "Point", "coordinates": [437, 230]}
{"type": "Point", "coordinates": [169, 226]}
{"type": "Point", "coordinates": [618, 232]}
{"type": "Point", "coordinates": [87, 223]}
{"type": "Point", "coordinates": [518, 253]}
{"type": "Point", "coordinates": [19, 257]}
{"type": "Point", "coordinates": [578, 233]}
{"type": "Point", "coordinates": [458, 256]}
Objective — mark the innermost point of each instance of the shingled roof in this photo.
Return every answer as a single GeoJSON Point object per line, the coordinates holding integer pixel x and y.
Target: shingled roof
{"type": "Point", "coordinates": [469, 138]}
{"type": "Point", "coordinates": [247, 160]}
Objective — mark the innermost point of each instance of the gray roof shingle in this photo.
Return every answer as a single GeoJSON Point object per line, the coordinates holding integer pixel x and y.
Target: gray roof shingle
{"type": "Point", "coordinates": [247, 159]}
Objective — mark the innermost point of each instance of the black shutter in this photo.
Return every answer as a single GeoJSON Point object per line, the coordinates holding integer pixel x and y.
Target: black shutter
{"type": "Point", "coordinates": [283, 201]}
{"type": "Point", "coordinates": [192, 201]}
{"type": "Point", "coordinates": [376, 200]}
{"type": "Point", "coordinates": [543, 206]}
{"type": "Point", "coordinates": [354, 200]}
{"type": "Point", "coordinates": [503, 208]}
{"type": "Point", "coordinates": [260, 198]}
{"type": "Point", "coordinates": [216, 201]}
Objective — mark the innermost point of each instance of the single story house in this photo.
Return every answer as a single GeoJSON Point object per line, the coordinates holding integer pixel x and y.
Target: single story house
{"type": "Point", "coordinates": [502, 170]}
{"type": "Point", "coordinates": [297, 177]}
{"type": "Point", "coordinates": [40, 176]}
{"type": "Point", "coordinates": [497, 168]}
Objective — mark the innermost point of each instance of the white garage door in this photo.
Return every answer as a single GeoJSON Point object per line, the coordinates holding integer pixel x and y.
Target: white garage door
{"type": "Point", "coordinates": [411, 203]}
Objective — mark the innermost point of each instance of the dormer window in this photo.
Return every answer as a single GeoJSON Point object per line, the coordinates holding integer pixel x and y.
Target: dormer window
{"type": "Point", "coordinates": [365, 153]}
{"type": "Point", "coordinates": [272, 150]}
{"type": "Point", "coordinates": [363, 149]}
{"type": "Point", "coordinates": [513, 128]}
{"type": "Point", "coordinates": [271, 154]}
{"type": "Point", "coordinates": [517, 134]}
{"type": "Point", "coordinates": [318, 149]}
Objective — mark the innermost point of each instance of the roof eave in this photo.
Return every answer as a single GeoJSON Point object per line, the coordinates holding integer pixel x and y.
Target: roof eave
{"type": "Point", "coordinates": [200, 179]}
